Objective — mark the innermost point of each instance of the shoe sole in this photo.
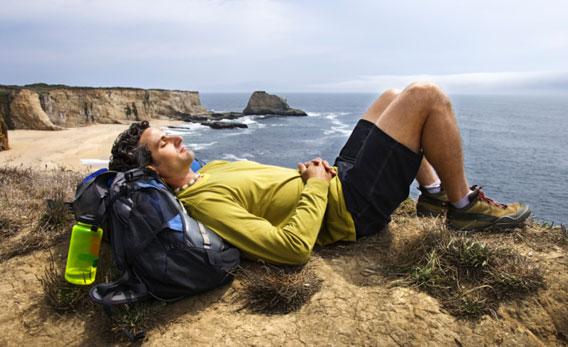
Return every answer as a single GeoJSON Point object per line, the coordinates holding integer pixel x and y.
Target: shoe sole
{"type": "Point", "coordinates": [429, 213]}
{"type": "Point", "coordinates": [505, 222]}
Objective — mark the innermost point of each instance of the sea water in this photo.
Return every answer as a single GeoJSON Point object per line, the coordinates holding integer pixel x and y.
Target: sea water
{"type": "Point", "coordinates": [516, 147]}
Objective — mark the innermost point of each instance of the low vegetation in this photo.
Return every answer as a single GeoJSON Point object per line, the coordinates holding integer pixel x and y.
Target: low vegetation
{"type": "Point", "coordinates": [33, 214]}
{"type": "Point", "coordinates": [271, 289]}
{"type": "Point", "coordinates": [469, 276]}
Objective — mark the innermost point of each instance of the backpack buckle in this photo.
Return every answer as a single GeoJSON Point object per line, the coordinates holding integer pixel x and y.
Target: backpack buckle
{"type": "Point", "coordinates": [134, 174]}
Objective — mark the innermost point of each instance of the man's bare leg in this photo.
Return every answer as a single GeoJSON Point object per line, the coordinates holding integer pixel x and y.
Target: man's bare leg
{"type": "Point", "coordinates": [379, 106]}
{"type": "Point", "coordinates": [426, 174]}
{"type": "Point", "coordinates": [421, 118]}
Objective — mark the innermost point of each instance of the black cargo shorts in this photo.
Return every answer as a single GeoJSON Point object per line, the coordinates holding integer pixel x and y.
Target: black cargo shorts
{"type": "Point", "coordinates": [375, 172]}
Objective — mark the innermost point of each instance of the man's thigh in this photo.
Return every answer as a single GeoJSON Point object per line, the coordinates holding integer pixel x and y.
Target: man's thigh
{"type": "Point", "coordinates": [376, 172]}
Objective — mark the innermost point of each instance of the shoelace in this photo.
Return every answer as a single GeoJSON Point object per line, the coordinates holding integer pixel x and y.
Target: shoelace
{"type": "Point", "coordinates": [490, 201]}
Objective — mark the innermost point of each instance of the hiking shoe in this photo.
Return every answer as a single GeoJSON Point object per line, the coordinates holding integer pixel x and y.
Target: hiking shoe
{"type": "Point", "coordinates": [482, 213]}
{"type": "Point", "coordinates": [431, 204]}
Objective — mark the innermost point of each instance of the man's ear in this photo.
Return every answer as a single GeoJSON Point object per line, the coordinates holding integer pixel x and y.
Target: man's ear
{"type": "Point", "coordinates": [153, 168]}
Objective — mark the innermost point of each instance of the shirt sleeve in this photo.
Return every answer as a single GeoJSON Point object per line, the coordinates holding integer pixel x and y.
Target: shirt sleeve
{"type": "Point", "coordinates": [256, 236]}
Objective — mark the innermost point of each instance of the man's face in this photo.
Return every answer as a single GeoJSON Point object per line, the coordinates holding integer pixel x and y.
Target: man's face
{"type": "Point", "coordinates": [170, 157]}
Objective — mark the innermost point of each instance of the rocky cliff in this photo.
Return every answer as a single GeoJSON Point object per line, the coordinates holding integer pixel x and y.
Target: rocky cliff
{"type": "Point", "coordinates": [3, 136]}
{"type": "Point", "coordinates": [26, 112]}
{"type": "Point", "coordinates": [48, 107]}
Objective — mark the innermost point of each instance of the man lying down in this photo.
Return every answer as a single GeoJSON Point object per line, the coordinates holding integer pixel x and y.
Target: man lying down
{"type": "Point", "coordinates": [278, 214]}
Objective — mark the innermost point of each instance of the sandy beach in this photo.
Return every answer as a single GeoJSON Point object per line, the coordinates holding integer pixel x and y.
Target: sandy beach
{"type": "Point", "coordinates": [49, 149]}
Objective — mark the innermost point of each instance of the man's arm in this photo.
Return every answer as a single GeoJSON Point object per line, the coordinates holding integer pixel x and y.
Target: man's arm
{"type": "Point", "coordinates": [257, 237]}
{"type": "Point", "coordinates": [291, 243]}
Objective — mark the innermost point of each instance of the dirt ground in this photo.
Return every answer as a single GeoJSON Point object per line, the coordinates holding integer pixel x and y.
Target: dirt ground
{"type": "Point", "coordinates": [359, 302]}
{"type": "Point", "coordinates": [356, 305]}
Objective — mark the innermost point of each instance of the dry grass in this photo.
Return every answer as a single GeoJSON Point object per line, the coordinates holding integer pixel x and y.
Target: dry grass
{"type": "Point", "coordinates": [32, 210]}
{"type": "Point", "coordinates": [61, 295]}
{"type": "Point", "coordinates": [273, 289]}
{"type": "Point", "coordinates": [33, 216]}
{"type": "Point", "coordinates": [469, 277]}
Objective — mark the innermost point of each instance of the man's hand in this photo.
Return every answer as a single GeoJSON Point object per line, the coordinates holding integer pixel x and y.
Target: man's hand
{"type": "Point", "coordinates": [316, 168]}
{"type": "Point", "coordinates": [318, 161]}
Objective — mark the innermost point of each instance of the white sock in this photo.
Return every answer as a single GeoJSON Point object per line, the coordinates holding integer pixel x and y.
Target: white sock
{"type": "Point", "coordinates": [463, 202]}
{"type": "Point", "coordinates": [434, 188]}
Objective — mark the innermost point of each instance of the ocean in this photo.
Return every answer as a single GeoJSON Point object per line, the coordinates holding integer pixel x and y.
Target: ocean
{"type": "Point", "coordinates": [516, 147]}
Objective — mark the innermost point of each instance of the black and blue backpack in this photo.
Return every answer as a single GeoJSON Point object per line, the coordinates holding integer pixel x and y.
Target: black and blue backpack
{"type": "Point", "coordinates": [160, 250]}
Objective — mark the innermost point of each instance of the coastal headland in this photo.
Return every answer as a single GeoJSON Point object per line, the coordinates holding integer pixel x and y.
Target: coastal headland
{"type": "Point", "coordinates": [55, 107]}
{"type": "Point", "coordinates": [52, 107]}
{"type": "Point", "coordinates": [82, 122]}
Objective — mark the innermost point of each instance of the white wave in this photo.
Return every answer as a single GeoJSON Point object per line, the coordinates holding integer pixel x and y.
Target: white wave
{"type": "Point", "coordinates": [260, 126]}
{"type": "Point", "coordinates": [238, 132]}
{"type": "Point", "coordinates": [313, 114]}
{"type": "Point", "coordinates": [183, 129]}
{"type": "Point", "coordinates": [247, 120]}
{"type": "Point", "coordinates": [333, 115]}
{"type": "Point", "coordinates": [278, 125]}
{"type": "Point", "coordinates": [229, 156]}
{"type": "Point", "coordinates": [337, 126]}
{"type": "Point", "coordinates": [175, 132]}
{"type": "Point", "coordinates": [337, 130]}
{"type": "Point", "coordinates": [200, 146]}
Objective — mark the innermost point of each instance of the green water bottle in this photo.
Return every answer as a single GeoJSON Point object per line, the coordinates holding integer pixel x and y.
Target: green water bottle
{"type": "Point", "coordinates": [83, 253]}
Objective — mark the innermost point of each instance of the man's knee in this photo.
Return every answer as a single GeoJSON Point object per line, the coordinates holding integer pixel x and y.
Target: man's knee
{"type": "Point", "coordinates": [427, 92]}
{"type": "Point", "coordinates": [390, 93]}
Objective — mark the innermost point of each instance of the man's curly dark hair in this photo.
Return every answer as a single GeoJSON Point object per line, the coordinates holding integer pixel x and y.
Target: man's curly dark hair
{"type": "Point", "coordinates": [125, 153]}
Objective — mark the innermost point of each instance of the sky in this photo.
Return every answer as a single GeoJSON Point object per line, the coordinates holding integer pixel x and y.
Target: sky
{"type": "Point", "coordinates": [468, 47]}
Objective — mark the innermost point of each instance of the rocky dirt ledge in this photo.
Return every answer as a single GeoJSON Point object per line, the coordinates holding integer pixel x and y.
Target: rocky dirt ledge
{"type": "Point", "coordinates": [356, 298]}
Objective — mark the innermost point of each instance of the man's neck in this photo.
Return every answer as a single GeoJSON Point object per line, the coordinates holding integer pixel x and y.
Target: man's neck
{"type": "Point", "coordinates": [182, 180]}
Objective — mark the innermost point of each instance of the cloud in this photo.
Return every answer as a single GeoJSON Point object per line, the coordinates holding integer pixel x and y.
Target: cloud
{"type": "Point", "coordinates": [466, 83]}
{"type": "Point", "coordinates": [132, 28]}
{"type": "Point", "coordinates": [283, 45]}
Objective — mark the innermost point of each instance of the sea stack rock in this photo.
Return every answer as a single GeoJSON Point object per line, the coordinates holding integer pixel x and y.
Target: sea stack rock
{"type": "Point", "coordinates": [261, 103]}
{"type": "Point", "coordinates": [3, 136]}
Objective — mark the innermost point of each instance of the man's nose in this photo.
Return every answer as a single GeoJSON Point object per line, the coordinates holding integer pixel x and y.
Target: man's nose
{"type": "Point", "coordinates": [176, 139]}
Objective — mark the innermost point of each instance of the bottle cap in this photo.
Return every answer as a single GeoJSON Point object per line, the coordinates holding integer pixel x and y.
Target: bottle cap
{"type": "Point", "coordinates": [87, 219]}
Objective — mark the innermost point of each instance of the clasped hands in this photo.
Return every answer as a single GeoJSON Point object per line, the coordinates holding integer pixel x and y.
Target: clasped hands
{"type": "Point", "coordinates": [316, 168]}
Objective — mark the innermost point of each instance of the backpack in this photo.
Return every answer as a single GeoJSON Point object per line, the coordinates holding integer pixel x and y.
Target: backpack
{"type": "Point", "coordinates": [161, 251]}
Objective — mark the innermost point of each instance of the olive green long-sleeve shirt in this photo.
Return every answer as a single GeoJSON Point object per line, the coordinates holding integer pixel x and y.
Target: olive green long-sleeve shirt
{"type": "Point", "coordinates": [268, 212]}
